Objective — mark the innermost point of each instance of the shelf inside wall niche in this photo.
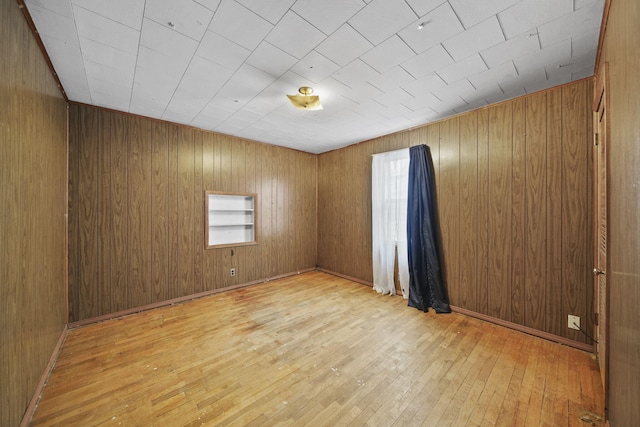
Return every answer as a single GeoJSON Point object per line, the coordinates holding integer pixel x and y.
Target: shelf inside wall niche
{"type": "Point", "coordinates": [231, 219]}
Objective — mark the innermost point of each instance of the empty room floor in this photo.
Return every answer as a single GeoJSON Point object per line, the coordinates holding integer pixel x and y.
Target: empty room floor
{"type": "Point", "coordinates": [318, 350]}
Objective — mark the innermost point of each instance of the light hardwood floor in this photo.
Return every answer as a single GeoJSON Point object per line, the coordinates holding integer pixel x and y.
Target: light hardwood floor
{"type": "Point", "coordinates": [315, 350]}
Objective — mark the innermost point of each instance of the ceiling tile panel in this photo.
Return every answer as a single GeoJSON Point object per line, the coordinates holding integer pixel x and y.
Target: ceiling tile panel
{"type": "Point", "coordinates": [580, 23]}
{"type": "Point", "coordinates": [192, 95]}
{"type": "Point", "coordinates": [584, 44]}
{"type": "Point", "coordinates": [522, 45]}
{"type": "Point", "coordinates": [315, 67]}
{"type": "Point", "coordinates": [245, 84]}
{"type": "Point", "coordinates": [473, 12]}
{"type": "Point", "coordinates": [69, 65]}
{"type": "Point", "coordinates": [484, 35]}
{"type": "Point", "coordinates": [240, 25]}
{"type": "Point", "coordinates": [216, 48]}
{"type": "Point", "coordinates": [184, 16]}
{"type": "Point", "coordinates": [388, 54]}
{"type": "Point", "coordinates": [493, 75]}
{"type": "Point", "coordinates": [295, 36]}
{"type": "Point", "coordinates": [424, 86]}
{"type": "Point", "coordinates": [391, 79]}
{"type": "Point", "coordinates": [52, 25]}
{"type": "Point", "coordinates": [541, 85]}
{"type": "Point", "coordinates": [344, 45]}
{"type": "Point", "coordinates": [512, 84]}
{"type": "Point", "coordinates": [327, 15]}
{"type": "Point", "coordinates": [354, 73]}
{"type": "Point", "coordinates": [57, 7]}
{"type": "Point", "coordinates": [110, 56]}
{"type": "Point", "coordinates": [459, 70]}
{"type": "Point", "coordinates": [272, 10]}
{"type": "Point", "coordinates": [460, 88]}
{"type": "Point", "coordinates": [209, 4]}
{"type": "Point", "coordinates": [557, 54]}
{"type": "Point", "coordinates": [422, 7]}
{"type": "Point", "coordinates": [394, 97]}
{"type": "Point", "coordinates": [270, 59]}
{"type": "Point", "coordinates": [428, 61]}
{"type": "Point", "coordinates": [104, 30]}
{"type": "Point", "coordinates": [126, 12]}
{"type": "Point", "coordinates": [432, 29]}
{"type": "Point", "coordinates": [380, 19]}
{"type": "Point", "coordinates": [361, 92]}
{"type": "Point", "coordinates": [529, 14]}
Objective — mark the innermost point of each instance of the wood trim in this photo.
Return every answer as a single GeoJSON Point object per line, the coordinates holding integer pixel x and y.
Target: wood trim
{"type": "Point", "coordinates": [44, 378]}
{"type": "Point", "coordinates": [36, 35]}
{"type": "Point", "coordinates": [179, 300]}
{"type": "Point", "coordinates": [524, 329]}
{"type": "Point", "coordinates": [206, 219]}
{"type": "Point", "coordinates": [603, 30]}
{"type": "Point", "coordinates": [344, 276]}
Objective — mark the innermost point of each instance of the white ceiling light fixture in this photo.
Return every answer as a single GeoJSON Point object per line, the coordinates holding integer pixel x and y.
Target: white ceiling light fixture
{"type": "Point", "coordinates": [305, 100]}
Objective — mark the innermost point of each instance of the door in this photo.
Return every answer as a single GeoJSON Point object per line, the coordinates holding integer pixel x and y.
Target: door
{"type": "Point", "coordinates": [600, 127]}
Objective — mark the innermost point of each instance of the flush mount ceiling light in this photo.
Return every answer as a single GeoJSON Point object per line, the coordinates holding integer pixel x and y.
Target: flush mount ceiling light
{"type": "Point", "coordinates": [305, 100]}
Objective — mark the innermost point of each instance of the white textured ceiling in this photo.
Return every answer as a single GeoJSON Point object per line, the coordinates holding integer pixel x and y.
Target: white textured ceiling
{"type": "Point", "coordinates": [227, 65]}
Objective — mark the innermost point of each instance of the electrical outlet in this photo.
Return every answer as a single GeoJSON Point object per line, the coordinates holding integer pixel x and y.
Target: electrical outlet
{"type": "Point", "coordinates": [573, 322]}
{"type": "Point", "coordinates": [233, 273]}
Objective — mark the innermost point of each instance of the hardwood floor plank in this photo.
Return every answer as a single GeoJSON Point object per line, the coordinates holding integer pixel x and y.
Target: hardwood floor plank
{"type": "Point", "coordinates": [312, 349]}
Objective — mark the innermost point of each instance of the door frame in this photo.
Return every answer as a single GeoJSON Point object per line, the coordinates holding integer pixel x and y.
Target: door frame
{"type": "Point", "coordinates": [601, 100]}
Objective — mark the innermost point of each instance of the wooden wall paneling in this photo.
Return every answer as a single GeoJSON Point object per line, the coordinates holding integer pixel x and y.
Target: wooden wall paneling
{"type": "Point", "coordinates": [173, 213]}
{"type": "Point", "coordinates": [253, 265]}
{"type": "Point", "coordinates": [88, 211]}
{"type": "Point", "coordinates": [267, 205]}
{"type": "Point", "coordinates": [139, 234]}
{"type": "Point", "coordinates": [217, 278]}
{"type": "Point", "coordinates": [208, 148]}
{"type": "Point", "coordinates": [324, 214]}
{"type": "Point", "coordinates": [73, 214]}
{"type": "Point", "coordinates": [238, 165]}
{"type": "Point", "coordinates": [279, 220]}
{"type": "Point", "coordinates": [554, 323]}
{"type": "Point", "coordinates": [500, 158]}
{"type": "Point", "coordinates": [33, 173]}
{"type": "Point", "coordinates": [291, 211]}
{"type": "Point", "coordinates": [160, 206]}
{"type": "Point", "coordinates": [364, 211]}
{"type": "Point", "coordinates": [186, 214]}
{"type": "Point", "coordinates": [518, 212]}
{"type": "Point", "coordinates": [449, 205]}
{"type": "Point", "coordinates": [432, 134]}
{"type": "Point", "coordinates": [482, 302]}
{"type": "Point", "coordinates": [467, 297]}
{"type": "Point", "coordinates": [105, 221]}
{"type": "Point", "coordinates": [591, 313]}
{"type": "Point", "coordinates": [536, 219]}
{"type": "Point", "coordinates": [198, 213]}
{"type": "Point", "coordinates": [119, 217]}
{"type": "Point", "coordinates": [574, 206]}
{"type": "Point", "coordinates": [15, 384]}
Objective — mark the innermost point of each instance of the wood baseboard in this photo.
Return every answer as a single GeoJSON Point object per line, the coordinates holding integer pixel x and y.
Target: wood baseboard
{"type": "Point", "coordinates": [26, 419]}
{"type": "Point", "coordinates": [486, 318]}
{"type": "Point", "coordinates": [525, 329]}
{"type": "Point", "coordinates": [179, 300]}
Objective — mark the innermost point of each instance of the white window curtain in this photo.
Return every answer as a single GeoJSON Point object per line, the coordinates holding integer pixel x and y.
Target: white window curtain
{"type": "Point", "coordinates": [389, 189]}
